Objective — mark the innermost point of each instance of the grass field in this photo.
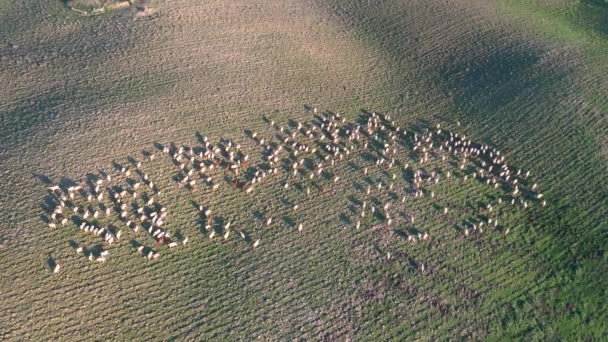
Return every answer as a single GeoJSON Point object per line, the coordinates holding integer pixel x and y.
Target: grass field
{"type": "Point", "coordinates": [81, 92]}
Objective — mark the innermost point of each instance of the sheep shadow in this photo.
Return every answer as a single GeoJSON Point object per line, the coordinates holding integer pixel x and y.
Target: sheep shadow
{"type": "Point", "coordinates": [344, 219]}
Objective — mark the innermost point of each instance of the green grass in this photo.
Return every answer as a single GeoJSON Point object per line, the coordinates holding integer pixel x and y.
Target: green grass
{"type": "Point", "coordinates": [524, 77]}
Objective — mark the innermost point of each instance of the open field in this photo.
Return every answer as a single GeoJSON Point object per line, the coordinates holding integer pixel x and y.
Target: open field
{"type": "Point", "coordinates": [81, 93]}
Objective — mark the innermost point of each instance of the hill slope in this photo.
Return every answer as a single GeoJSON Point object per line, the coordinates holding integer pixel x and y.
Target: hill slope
{"type": "Point", "coordinates": [81, 92]}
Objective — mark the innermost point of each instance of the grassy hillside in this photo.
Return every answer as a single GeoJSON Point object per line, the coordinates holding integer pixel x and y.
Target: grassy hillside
{"type": "Point", "coordinates": [82, 92]}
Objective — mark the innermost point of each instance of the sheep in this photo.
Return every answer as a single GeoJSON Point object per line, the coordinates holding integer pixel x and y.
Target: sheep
{"type": "Point", "coordinates": [269, 221]}
{"type": "Point", "coordinates": [256, 243]}
{"type": "Point", "coordinates": [173, 244]}
{"type": "Point", "coordinates": [300, 227]}
{"type": "Point", "coordinates": [185, 241]}
{"type": "Point", "coordinates": [226, 235]}
{"type": "Point", "coordinates": [57, 268]}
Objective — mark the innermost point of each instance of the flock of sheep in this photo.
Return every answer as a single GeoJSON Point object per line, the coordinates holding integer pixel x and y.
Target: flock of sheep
{"type": "Point", "coordinates": [304, 153]}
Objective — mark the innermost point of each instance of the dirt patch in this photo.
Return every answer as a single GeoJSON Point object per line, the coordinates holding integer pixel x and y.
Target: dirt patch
{"type": "Point", "coordinates": [373, 292]}
{"type": "Point", "coordinates": [95, 7]}
{"type": "Point", "coordinates": [373, 246]}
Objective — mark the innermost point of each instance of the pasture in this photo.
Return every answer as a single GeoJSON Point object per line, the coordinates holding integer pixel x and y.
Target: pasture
{"type": "Point", "coordinates": [390, 225]}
